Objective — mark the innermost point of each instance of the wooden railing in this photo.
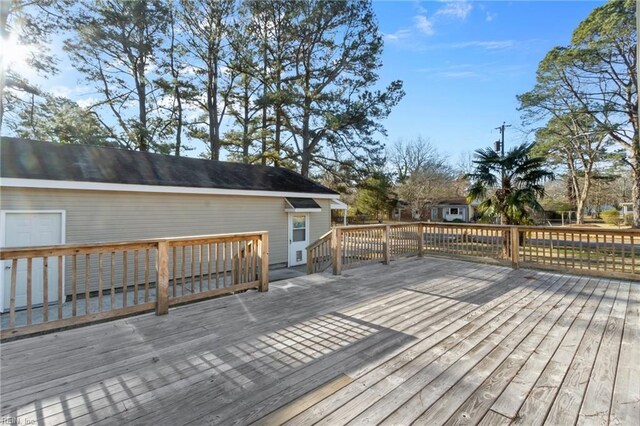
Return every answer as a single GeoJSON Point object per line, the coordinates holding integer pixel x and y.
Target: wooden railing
{"type": "Point", "coordinates": [319, 254]}
{"type": "Point", "coordinates": [594, 251]}
{"type": "Point", "coordinates": [68, 285]}
{"type": "Point", "coordinates": [608, 252]}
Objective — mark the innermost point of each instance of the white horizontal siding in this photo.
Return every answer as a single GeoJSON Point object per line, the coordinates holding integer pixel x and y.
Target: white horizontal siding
{"type": "Point", "coordinates": [101, 216]}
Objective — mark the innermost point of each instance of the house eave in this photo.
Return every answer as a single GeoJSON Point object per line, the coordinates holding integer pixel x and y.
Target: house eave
{"type": "Point", "coordinates": [119, 187]}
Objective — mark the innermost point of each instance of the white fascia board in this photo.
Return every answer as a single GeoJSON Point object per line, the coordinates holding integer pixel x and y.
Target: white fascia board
{"type": "Point", "coordinates": [121, 187]}
{"type": "Point", "coordinates": [293, 210]}
{"type": "Point", "coordinates": [338, 205]}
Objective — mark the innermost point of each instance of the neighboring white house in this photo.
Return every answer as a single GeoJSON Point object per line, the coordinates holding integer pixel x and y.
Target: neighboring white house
{"type": "Point", "coordinates": [627, 208]}
{"type": "Point", "coordinates": [448, 210]}
{"type": "Point", "coordinates": [55, 194]}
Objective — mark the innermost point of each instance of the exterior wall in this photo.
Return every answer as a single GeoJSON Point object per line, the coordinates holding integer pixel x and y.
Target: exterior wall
{"type": "Point", "coordinates": [102, 216]}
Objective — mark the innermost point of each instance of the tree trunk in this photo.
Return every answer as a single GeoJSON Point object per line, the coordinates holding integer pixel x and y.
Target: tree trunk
{"type": "Point", "coordinates": [179, 121]}
{"type": "Point", "coordinates": [246, 98]}
{"type": "Point", "coordinates": [143, 143]}
{"type": "Point", "coordinates": [581, 198]}
{"type": "Point", "coordinates": [214, 136]}
{"type": "Point", "coordinates": [263, 132]}
{"type": "Point", "coordinates": [305, 158]}
{"type": "Point", "coordinates": [5, 6]}
{"type": "Point", "coordinates": [635, 190]}
{"type": "Point", "coordinates": [306, 122]}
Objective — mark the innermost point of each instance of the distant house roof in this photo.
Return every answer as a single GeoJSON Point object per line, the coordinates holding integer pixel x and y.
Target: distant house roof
{"type": "Point", "coordinates": [458, 201]}
{"type": "Point", "coordinates": [27, 159]}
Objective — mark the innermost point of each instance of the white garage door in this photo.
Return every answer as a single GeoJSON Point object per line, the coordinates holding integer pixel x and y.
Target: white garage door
{"type": "Point", "coordinates": [31, 229]}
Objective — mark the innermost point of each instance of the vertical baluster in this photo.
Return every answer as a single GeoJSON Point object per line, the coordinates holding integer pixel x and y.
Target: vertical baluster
{"type": "Point", "coordinates": [208, 266]}
{"type": "Point", "coordinates": [580, 259]}
{"type": "Point", "coordinates": [597, 252]}
{"type": "Point", "coordinates": [100, 275]}
{"type": "Point", "coordinates": [45, 289]}
{"type": "Point", "coordinates": [247, 254]}
{"type": "Point", "coordinates": [239, 263]}
{"type": "Point", "coordinates": [136, 265]}
{"type": "Point", "coordinates": [87, 290]}
{"type": "Point", "coordinates": [12, 296]}
{"type": "Point", "coordinates": [633, 254]}
{"type": "Point", "coordinates": [623, 251]}
{"type": "Point", "coordinates": [112, 282]}
{"type": "Point", "coordinates": [614, 260]}
{"type": "Point", "coordinates": [589, 251]}
{"type": "Point", "coordinates": [224, 264]}
{"type": "Point", "coordinates": [201, 251]}
{"type": "Point", "coordinates": [125, 283]}
{"type": "Point", "coordinates": [61, 295]}
{"type": "Point", "coordinates": [174, 269]}
{"type": "Point", "coordinates": [573, 254]}
{"type": "Point", "coordinates": [74, 286]}
{"type": "Point", "coordinates": [193, 268]}
{"type": "Point", "coordinates": [217, 265]}
{"type": "Point", "coordinates": [29, 290]}
{"type": "Point", "coordinates": [183, 267]}
{"type": "Point", "coordinates": [146, 275]}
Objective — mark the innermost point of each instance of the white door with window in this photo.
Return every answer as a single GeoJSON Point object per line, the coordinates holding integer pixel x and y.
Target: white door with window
{"type": "Point", "coordinates": [30, 229]}
{"type": "Point", "coordinates": [298, 238]}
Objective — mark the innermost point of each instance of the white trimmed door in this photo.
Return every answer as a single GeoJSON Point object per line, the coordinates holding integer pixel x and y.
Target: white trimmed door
{"type": "Point", "coordinates": [30, 229]}
{"type": "Point", "coordinates": [298, 238]}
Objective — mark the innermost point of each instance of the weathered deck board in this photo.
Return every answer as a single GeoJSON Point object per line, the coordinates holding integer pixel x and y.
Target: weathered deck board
{"type": "Point", "coordinates": [427, 340]}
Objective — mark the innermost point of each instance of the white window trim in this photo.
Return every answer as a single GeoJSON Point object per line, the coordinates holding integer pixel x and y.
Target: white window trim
{"type": "Point", "coordinates": [101, 186]}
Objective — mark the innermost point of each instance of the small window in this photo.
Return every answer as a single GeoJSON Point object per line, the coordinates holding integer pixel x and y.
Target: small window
{"type": "Point", "coordinates": [453, 210]}
{"type": "Point", "coordinates": [299, 232]}
{"type": "Point", "coordinates": [298, 235]}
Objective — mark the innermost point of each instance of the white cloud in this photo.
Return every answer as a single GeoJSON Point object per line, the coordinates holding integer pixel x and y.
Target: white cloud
{"type": "Point", "coordinates": [456, 9]}
{"type": "Point", "coordinates": [398, 35]}
{"type": "Point", "coordinates": [424, 24]}
{"type": "Point", "coordinates": [460, 74]}
{"type": "Point", "coordinates": [491, 16]}
{"type": "Point", "coordinates": [489, 45]}
{"type": "Point", "coordinates": [70, 92]}
{"type": "Point", "coordinates": [88, 102]}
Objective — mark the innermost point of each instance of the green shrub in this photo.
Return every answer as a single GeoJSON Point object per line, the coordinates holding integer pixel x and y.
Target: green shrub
{"type": "Point", "coordinates": [612, 217]}
{"type": "Point", "coordinates": [457, 221]}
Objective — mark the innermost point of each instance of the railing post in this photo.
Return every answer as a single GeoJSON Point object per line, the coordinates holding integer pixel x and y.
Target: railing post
{"type": "Point", "coordinates": [336, 250]}
{"type": "Point", "coordinates": [515, 247]}
{"type": "Point", "coordinates": [309, 261]}
{"type": "Point", "coordinates": [387, 244]}
{"type": "Point", "coordinates": [162, 285]}
{"type": "Point", "coordinates": [420, 238]}
{"type": "Point", "coordinates": [264, 262]}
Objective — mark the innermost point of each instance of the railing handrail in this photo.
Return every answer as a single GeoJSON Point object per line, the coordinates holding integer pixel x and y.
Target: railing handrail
{"type": "Point", "coordinates": [493, 226]}
{"type": "Point", "coordinates": [515, 244]}
{"type": "Point", "coordinates": [248, 269]}
{"type": "Point", "coordinates": [322, 239]}
{"type": "Point", "coordinates": [81, 248]}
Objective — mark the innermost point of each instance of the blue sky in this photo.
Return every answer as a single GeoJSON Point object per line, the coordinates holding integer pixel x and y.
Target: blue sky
{"type": "Point", "coordinates": [464, 62]}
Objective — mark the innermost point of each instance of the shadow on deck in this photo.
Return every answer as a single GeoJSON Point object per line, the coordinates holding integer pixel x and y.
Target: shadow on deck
{"type": "Point", "coordinates": [423, 339]}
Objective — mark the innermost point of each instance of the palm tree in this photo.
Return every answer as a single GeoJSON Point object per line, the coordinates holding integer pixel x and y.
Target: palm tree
{"type": "Point", "coordinates": [509, 186]}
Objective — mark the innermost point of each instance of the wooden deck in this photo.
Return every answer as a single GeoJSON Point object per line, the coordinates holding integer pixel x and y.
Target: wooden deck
{"type": "Point", "coordinates": [426, 341]}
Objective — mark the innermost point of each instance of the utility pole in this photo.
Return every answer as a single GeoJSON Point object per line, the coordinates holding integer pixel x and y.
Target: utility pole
{"type": "Point", "coordinates": [501, 143]}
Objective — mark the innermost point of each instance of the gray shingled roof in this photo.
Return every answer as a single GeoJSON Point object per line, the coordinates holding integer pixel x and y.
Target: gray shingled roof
{"type": "Point", "coordinates": [29, 159]}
